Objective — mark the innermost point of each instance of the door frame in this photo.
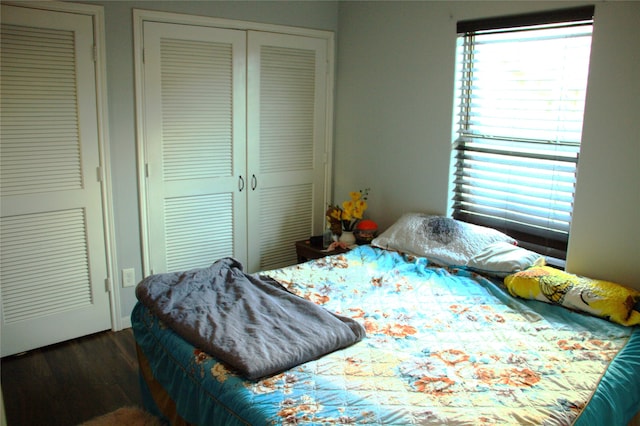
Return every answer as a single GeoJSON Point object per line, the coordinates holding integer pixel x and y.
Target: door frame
{"type": "Point", "coordinates": [96, 12]}
{"type": "Point", "coordinates": [142, 15]}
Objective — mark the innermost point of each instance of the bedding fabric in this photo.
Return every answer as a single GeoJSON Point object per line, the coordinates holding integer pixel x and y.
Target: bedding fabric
{"type": "Point", "coordinates": [502, 259]}
{"type": "Point", "coordinates": [604, 299]}
{"type": "Point", "coordinates": [442, 347]}
{"type": "Point", "coordinates": [440, 239]}
{"type": "Point", "coordinates": [248, 321]}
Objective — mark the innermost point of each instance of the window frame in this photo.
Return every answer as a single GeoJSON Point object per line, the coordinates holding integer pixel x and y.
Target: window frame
{"type": "Point", "coordinates": [554, 246]}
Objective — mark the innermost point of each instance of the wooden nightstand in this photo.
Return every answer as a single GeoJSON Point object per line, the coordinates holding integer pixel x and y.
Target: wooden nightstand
{"type": "Point", "coordinates": [306, 251]}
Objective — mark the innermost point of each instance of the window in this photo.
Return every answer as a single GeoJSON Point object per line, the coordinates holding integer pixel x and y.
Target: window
{"type": "Point", "coordinates": [521, 84]}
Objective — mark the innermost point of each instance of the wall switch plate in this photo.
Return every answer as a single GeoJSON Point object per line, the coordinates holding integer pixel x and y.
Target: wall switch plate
{"type": "Point", "coordinates": [128, 277]}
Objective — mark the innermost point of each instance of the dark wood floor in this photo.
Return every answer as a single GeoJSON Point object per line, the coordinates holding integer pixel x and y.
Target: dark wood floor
{"type": "Point", "coordinates": [71, 382]}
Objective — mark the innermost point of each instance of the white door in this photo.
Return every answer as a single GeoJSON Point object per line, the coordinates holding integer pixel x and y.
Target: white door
{"type": "Point", "coordinates": [52, 248]}
{"type": "Point", "coordinates": [194, 145]}
{"type": "Point", "coordinates": [287, 119]}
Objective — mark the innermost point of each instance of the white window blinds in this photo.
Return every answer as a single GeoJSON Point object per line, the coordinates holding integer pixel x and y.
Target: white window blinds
{"type": "Point", "coordinates": [521, 90]}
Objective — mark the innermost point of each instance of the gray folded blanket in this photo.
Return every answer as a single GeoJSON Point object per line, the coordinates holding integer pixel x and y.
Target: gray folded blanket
{"type": "Point", "coordinates": [250, 322]}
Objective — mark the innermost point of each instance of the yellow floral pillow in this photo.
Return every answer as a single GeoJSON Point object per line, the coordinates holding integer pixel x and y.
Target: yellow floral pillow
{"type": "Point", "coordinates": [604, 299]}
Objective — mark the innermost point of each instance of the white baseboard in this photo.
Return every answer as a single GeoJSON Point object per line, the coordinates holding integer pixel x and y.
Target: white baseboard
{"type": "Point", "coordinates": [125, 322]}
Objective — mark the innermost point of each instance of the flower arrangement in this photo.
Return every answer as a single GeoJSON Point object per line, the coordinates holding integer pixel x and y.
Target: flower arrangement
{"type": "Point", "coordinates": [345, 217]}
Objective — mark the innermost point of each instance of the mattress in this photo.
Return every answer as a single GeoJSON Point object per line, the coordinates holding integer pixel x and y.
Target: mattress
{"type": "Point", "coordinates": [443, 346]}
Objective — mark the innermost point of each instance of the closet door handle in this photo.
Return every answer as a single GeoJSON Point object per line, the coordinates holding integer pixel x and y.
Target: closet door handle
{"type": "Point", "coordinates": [240, 183]}
{"type": "Point", "coordinates": [254, 182]}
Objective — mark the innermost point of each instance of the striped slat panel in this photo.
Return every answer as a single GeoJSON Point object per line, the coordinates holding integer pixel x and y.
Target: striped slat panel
{"type": "Point", "coordinates": [40, 149]}
{"type": "Point", "coordinates": [287, 100]}
{"type": "Point", "coordinates": [528, 84]}
{"type": "Point", "coordinates": [523, 189]}
{"type": "Point", "coordinates": [197, 109]}
{"type": "Point", "coordinates": [198, 230]}
{"type": "Point", "coordinates": [285, 217]}
{"type": "Point", "coordinates": [44, 267]}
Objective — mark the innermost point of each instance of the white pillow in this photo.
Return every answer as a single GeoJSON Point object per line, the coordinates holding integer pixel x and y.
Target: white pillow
{"type": "Point", "coordinates": [442, 240]}
{"type": "Point", "coordinates": [501, 259]}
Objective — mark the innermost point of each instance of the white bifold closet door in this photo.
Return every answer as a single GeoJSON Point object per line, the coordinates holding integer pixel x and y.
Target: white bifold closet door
{"type": "Point", "coordinates": [52, 247]}
{"type": "Point", "coordinates": [195, 145]}
{"type": "Point", "coordinates": [234, 145]}
{"type": "Point", "coordinates": [286, 139]}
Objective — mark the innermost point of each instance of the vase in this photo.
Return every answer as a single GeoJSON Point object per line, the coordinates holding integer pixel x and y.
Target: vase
{"type": "Point", "coordinates": [348, 238]}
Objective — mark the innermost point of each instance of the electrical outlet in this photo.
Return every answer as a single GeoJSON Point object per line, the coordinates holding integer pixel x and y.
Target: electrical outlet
{"type": "Point", "coordinates": [128, 277]}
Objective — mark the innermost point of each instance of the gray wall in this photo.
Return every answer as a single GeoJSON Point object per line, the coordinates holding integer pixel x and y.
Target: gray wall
{"type": "Point", "coordinates": [394, 113]}
{"type": "Point", "coordinates": [394, 103]}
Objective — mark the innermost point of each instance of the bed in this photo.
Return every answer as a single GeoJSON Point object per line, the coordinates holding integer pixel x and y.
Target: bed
{"type": "Point", "coordinates": [446, 343]}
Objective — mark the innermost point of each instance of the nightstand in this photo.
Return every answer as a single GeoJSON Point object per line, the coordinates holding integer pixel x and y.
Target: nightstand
{"type": "Point", "coordinates": [306, 251]}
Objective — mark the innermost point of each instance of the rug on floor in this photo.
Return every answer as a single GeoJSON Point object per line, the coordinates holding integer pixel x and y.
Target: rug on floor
{"type": "Point", "coordinates": [125, 416]}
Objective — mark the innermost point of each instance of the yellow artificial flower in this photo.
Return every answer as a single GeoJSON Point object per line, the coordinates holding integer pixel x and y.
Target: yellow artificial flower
{"type": "Point", "coordinates": [350, 213]}
{"type": "Point", "coordinates": [335, 214]}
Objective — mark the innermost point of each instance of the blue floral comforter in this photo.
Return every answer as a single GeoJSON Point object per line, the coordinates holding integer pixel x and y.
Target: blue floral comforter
{"type": "Point", "coordinates": [442, 347]}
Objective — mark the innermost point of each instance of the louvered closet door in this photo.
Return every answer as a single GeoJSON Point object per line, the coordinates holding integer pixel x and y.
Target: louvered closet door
{"type": "Point", "coordinates": [194, 126]}
{"type": "Point", "coordinates": [52, 251]}
{"type": "Point", "coordinates": [286, 147]}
